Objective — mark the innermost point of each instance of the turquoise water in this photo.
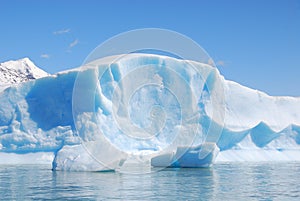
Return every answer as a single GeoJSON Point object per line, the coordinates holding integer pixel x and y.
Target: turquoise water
{"type": "Point", "coordinates": [236, 181]}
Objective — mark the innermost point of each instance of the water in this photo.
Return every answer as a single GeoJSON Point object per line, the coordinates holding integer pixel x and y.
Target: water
{"type": "Point", "coordinates": [235, 181]}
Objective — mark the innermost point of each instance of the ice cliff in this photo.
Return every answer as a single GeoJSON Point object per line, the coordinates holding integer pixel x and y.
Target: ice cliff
{"type": "Point", "coordinates": [109, 112]}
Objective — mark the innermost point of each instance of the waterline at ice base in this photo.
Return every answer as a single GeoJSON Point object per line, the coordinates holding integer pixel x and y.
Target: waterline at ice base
{"type": "Point", "coordinates": [139, 111]}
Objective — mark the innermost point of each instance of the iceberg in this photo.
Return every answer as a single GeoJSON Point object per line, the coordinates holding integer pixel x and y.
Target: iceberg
{"type": "Point", "coordinates": [138, 111]}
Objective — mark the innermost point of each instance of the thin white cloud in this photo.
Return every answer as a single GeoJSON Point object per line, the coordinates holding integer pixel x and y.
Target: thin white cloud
{"type": "Point", "coordinates": [220, 63]}
{"type": "Point", "coordinates": [74, 43]}
{"type": "Point", "coordinates": [63, 31]}
{"type": "Point", "coordinates": [210, 62]}
{"type": "Point", "coordinates": [217, 63]}
{"type": "Point", "coordinates": [45, 56]}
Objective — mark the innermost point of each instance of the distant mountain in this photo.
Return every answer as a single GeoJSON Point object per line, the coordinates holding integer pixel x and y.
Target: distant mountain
{"type": "Point", "coordinates": [22, 70]}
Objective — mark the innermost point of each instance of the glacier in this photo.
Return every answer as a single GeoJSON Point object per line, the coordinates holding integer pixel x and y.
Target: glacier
{"type": "Point", "coordinates": [142, 110]}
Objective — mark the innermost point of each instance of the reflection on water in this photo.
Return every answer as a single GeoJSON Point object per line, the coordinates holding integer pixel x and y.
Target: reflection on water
{"type": "Point", "coordinates": [236, 181]}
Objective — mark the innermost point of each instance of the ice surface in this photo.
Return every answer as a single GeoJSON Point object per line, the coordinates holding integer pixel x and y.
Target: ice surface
{"type": "Point", "coordinates": [147, 108]}
{"type": "Point", "coordinates": [28, 158]}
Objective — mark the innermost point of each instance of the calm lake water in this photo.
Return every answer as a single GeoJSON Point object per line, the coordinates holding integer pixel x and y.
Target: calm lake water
{"type": "Point", "coordinates": [235, 181]}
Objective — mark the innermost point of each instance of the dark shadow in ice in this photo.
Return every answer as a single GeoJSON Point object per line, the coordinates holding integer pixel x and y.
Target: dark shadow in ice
{"type": "Point", "coordinates": [50, 101]}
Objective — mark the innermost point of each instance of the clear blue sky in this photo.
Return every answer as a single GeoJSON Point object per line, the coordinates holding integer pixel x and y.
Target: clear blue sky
{"type": "Point", "coordinates": [255, 42]}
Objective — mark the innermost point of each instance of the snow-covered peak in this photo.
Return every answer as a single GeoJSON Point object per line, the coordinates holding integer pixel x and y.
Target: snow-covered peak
{"type": "Point", "coordinates": [22, 70]}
